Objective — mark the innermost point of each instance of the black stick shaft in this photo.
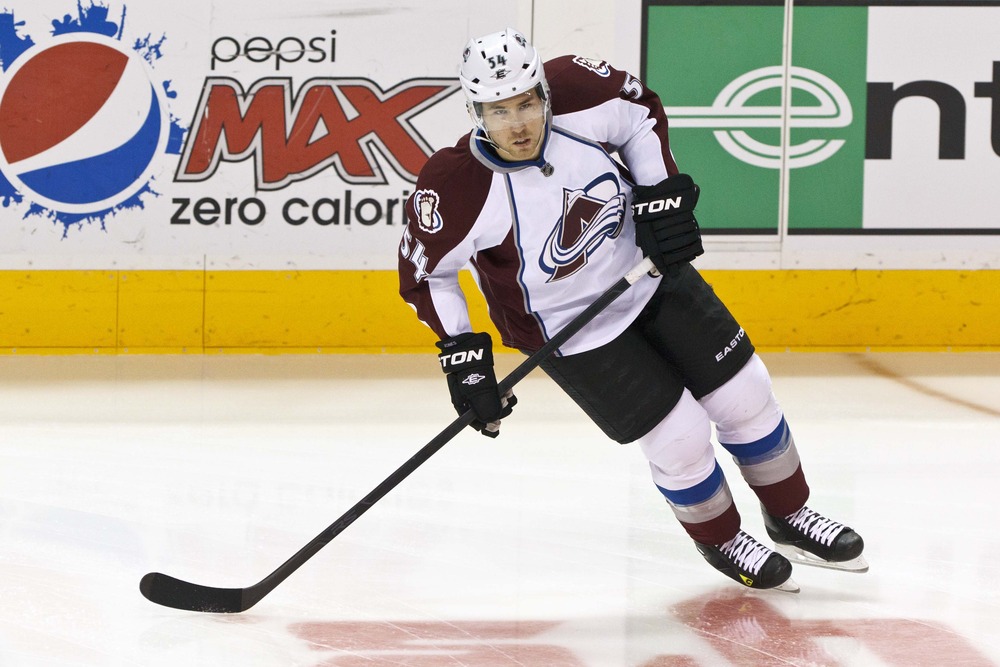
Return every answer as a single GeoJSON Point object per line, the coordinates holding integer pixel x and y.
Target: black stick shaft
{"type": "Point", "coordinates": [175, 593]}
{"type": "Point", "coordinates": [453, 429]}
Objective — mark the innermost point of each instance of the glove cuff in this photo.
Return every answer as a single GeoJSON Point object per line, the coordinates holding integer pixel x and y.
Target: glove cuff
{"type": "Point", "coordinates": [466, 350]}
{"type": "Point", "coordinates": [672, 196]}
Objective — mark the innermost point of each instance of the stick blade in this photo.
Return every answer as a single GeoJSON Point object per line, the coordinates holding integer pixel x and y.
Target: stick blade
{"type": "Point", "coordinates": [167, 591]}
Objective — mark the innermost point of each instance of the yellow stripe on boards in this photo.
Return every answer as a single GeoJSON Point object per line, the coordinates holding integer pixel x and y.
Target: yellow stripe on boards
{"type": "Point", "coordinates": [60, 312]}
{"type": "Point", "coordinates": [839, 309]}
{"type": "Point", "coordinates": [58, 309]}
{"type": "Point", "coordinates": [161, 310]}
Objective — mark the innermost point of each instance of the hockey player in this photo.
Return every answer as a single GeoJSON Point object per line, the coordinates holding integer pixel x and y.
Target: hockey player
{"type": "Point", "coordinates": [534, 201]}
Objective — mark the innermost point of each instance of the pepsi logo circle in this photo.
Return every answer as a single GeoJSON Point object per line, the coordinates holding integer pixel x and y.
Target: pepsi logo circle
{"type": "Point", "coordinates": [81, 123]}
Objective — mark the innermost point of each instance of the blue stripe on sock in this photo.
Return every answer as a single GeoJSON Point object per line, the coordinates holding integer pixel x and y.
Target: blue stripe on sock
{"type": "Point", "coordinates": [698, 493]}
{"type": "Point", "coordinates": [759, 448]}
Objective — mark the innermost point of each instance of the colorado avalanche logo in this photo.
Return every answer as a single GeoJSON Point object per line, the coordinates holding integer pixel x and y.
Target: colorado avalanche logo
{"type": "Point", "coordinates": [588, 218]}
{"type": "Point", "coordinates": [82, 120]}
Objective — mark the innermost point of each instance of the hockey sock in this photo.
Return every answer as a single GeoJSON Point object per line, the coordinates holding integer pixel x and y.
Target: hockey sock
{"type": "Point", "coordinates": [772, 468]}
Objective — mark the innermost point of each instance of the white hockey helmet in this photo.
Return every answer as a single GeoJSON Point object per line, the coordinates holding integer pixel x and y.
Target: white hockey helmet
{"type": "Point", "coordinates": [498, 66]}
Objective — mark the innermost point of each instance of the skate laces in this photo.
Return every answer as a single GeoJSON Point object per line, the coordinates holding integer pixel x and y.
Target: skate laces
{"type": "Point", "coordinates": [746, 552]}
{"type": "Point", "coordinates": [816, 526]}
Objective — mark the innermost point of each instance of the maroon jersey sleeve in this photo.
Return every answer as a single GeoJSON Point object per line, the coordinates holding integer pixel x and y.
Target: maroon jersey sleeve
{"type": "Point", "coordinates": [613, 107]}
{"type": "Point", "coordinates": [437, 242]}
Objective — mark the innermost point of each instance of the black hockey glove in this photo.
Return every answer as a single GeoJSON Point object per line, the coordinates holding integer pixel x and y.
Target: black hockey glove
{"type": "Point", "coordinates": [467, 359]}
{"type": "Point", "coordinates": [665, 226]}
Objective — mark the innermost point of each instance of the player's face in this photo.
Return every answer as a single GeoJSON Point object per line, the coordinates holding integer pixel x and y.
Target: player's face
{"type": "Point", "coordinates": [516, 125]}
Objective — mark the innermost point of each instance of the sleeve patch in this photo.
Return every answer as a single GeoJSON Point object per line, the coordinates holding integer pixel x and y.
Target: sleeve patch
{"type": "Point", "coordinates": [598, 67]}
{"type": "Point", "coordinates": [425, 204]}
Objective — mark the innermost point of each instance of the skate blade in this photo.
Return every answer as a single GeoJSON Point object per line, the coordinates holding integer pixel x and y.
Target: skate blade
{"type": "Point", "coordinates": [798, 556]}
{"type": "Point", "coordinates": [789, 586]}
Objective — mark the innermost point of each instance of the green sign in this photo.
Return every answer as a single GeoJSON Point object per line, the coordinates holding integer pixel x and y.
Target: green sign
{"type": "Point", "coordinates": [720, 73]}
{"type": "Point", "coordinates": [835, 116]}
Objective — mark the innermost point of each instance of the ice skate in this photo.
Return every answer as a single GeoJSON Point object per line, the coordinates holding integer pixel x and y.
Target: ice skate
{"type": "Point", "coordinates": [811, 539]}
{"type": "Point", "coordinates": [747, 561]}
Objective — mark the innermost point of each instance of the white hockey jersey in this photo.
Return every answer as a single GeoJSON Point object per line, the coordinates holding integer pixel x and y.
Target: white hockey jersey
{"type": "Point", "coordinates": [546, 237]}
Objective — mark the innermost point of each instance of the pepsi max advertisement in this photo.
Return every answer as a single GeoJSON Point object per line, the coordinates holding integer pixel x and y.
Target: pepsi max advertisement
{"type": "Point", "coordinates": [227, 134]}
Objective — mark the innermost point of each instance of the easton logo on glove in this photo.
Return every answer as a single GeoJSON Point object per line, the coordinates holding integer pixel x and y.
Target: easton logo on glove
{"type": "Point", "coordinates": [467, 359]}
{"type": "Point", "coordinates": [451, 362]}
{"type": "Point", "coordinates": [665, 226]}
{"type": "Point", "coordinates": [641, 208]}
{"type": "Point", "coordinates": [672, 196]}
{"type": "Point", "coordinates": [475, 378]}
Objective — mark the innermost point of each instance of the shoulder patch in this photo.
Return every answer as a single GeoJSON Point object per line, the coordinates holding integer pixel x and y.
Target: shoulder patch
{"type": "Point", "coordinates": [598, 67]}
{"type": "Point", "coordinates": [425, 204]}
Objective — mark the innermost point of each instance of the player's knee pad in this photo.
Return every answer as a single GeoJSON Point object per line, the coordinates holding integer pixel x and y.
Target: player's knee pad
{"type": "Point", "coordinates": [679, 448]}
{"type": "Point", "coordinates": [744, 408]}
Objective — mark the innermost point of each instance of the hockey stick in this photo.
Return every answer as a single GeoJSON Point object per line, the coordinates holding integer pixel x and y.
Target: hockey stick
{"type": "Point", "coordinates": [170, 592]}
